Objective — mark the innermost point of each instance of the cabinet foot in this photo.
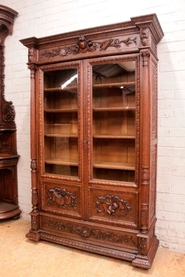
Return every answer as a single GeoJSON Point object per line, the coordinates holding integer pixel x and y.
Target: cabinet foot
{"type": "Point", "coordinates": [33, 235]}
{"type": "Point", "coordinates": [143, 261]}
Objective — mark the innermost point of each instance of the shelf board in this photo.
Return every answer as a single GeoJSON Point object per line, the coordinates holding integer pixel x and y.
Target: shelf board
{"type": "Point", "coordinates": [61, 135]}
{"type": "Point", "coordinates": [108, 165]}
{"type": "Point", "coordinates": [61, 110]}
{"type": "Point", "coordinates": [114, 109]}
{"type": "Point", "coordinates": [115, 84]}
{"type": "Point", "coordinates": [61, 162]}
{"type": "Point", "coordinates": [55, 89]}
{"type": "Point", "coordinates": [108, 136]}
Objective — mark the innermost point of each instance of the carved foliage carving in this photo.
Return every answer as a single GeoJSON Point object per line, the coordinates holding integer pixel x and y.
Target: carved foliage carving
{"type": "Point", "coordinates": [8, 112]}
{"type": "Point", "coordinates": [87, 232]}
{"type": "Point", "coordinates": [61, 198]}
{"type": "Point", "coordinates": [84, 45]}
{"type": "Point", "coordinates": [112, 205]}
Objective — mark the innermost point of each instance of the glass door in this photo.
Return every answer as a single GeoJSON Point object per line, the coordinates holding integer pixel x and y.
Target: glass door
{"type": "Point", "coordinates": [113, 117]}
{"type": "Point", "coordinates": [61, 122]}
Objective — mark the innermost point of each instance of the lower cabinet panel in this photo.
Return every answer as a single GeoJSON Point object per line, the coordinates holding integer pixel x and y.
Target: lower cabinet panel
{"type": "Point", "coordinates": [117, 207]}
{"type": "Point", "coordinates": [61, 199]}
{"type": "Point", "coordinates": [82, 235]}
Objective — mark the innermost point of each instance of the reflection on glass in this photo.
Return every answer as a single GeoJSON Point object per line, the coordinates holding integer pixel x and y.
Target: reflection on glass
{"type": "Point", "coordinates": [61, 122]}
{"type": "Point", "coordinates": [114, 121]}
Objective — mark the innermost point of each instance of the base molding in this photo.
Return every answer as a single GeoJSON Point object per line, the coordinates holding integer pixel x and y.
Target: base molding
{"type": "Point", "coordinates": [33, 235]}
{"type": "Point", "coordinates": [143, 261]}
{"type": "Point", "coordinates": [9, 211]}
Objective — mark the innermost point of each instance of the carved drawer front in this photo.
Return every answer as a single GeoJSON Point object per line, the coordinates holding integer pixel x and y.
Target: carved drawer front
{"type": "Point", "coordinates": [61, 199]}
{"type": "Point", "coordinates": [114, 207]}
{"type": "Point", "coordinates": [83, 232]}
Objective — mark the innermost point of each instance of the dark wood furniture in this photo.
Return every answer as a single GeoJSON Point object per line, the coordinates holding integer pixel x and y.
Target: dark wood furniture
{"type": "Point", "coordinates": [8, 148]}
{"type": "Point", "coordinates": [94, 138]}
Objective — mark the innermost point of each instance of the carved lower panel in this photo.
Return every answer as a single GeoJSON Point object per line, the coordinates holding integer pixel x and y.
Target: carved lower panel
{"type": "Point", "coordinates": [114, 207]}
{"type": "Point", "coordinates": [61, 199]}
{"type": "Point", "coordinates": [88, 233]}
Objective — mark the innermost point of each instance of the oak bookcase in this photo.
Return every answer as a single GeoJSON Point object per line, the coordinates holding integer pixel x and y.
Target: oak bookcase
{"type": "Point", "coordinates": [94, 138]}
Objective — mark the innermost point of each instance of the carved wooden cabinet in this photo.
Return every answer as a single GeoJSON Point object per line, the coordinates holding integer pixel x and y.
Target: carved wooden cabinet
{"type": "Point", "coordinates": [8, 147]}
{"type": "Point", "coordinates": [94, 138]}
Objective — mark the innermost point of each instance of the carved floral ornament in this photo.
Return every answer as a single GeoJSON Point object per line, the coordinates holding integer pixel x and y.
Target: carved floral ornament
{"type": "Point", "coordinates": [84, 45]}
{"type": "Point", "coordinates": [113, 205]}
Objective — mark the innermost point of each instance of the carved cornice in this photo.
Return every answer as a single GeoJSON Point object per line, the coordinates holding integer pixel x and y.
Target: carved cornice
{"type": "Point", "coordinates": [7, 16]}
{"type": "Point", "coordinates": [146, 23]}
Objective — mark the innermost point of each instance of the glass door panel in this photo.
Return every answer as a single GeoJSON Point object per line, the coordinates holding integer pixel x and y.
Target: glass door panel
{"type": "Point", "coordinates": [114, 121]}
{"type": "Point", "coordinates": [61, 122]}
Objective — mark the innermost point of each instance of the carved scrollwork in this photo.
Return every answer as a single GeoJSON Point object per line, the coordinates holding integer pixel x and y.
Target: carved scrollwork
{"type": "Point", "coordinates": [112, 205]}
{"type": "Point", "coordinates": [87, 232]}
{"type": "Point", "coordinates": [8, 112]}
{"type": "Point", "coordinates": [61, 198]}
{"type": "Point", "coordinates": [84, 45]}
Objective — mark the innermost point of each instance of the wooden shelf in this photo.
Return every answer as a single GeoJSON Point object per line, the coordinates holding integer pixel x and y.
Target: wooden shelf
{"type": "Point", "coordinates": [61, 110]}
{"type": "Point", "coordinates": [114, 109]}
{"type": "Point", "coordinates": [67, 89]}
{"type": "Point", "coordinates": [108, 165]}
{"type": "Point", "coordinates": [61, 162]}
{"type": "Point", "coordinates": [61, 135]}
{"type": "Point", "coordinates": [114, 136]}
{"type": "Point", "coordinates": [117, 84]}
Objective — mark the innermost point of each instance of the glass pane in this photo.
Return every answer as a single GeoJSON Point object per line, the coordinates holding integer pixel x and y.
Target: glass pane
{"type": "Point", "coordinates": [61, 122]}
{"type": "Point", "coordinates": [114, 121]}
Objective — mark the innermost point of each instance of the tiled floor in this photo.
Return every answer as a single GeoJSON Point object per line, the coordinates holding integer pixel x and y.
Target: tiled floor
{"type": "Point", "coordinates": [20, 257]}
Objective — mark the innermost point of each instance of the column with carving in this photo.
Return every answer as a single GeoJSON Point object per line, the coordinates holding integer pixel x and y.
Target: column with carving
{"type": "Point", "coordinates": [147, 241]}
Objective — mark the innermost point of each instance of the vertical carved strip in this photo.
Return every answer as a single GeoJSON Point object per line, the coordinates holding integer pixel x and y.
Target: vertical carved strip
{"type": "Point", "coordinates": [34, 213]}
{"type": "Point", "coordinates": [145, 143]}
{"type": "Point", "coordinates": [2, 76]}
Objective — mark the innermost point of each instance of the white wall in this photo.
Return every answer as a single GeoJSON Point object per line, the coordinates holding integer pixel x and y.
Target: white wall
{"type": "Point", "coordinates": [47, 17]}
